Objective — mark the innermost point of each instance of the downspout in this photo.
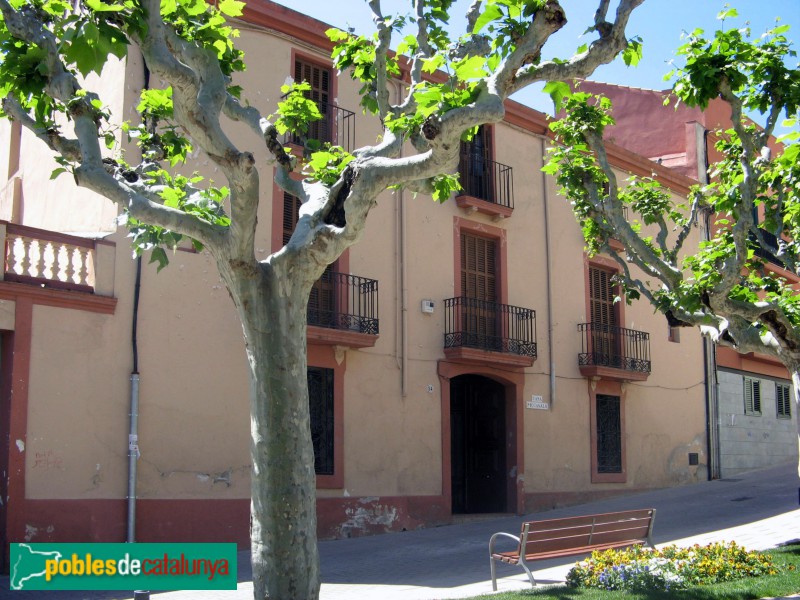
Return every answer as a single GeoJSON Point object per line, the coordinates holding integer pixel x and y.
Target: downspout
{"type": "Point", "coordinates": [403, 283]}
{"type": "Point", "coordinates": [133, 432]}
{"type": "Point", "coordinates": [709, 347]}
{"type": "Point", "coordinates": [548, 271]}
{"type": "Point", "coordinates": [712, 388]}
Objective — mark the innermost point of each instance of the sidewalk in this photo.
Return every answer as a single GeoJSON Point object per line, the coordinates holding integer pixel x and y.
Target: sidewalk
{"type": "Point", "coordinates": [758, 510]}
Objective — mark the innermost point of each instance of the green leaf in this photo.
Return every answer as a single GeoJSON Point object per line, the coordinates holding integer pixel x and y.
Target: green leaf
{"type": "Point", "coordinates": [100, 6]}
{"type": "Point", "coordinates": [558, 90]}
{"type": "Point", "coordinates": [492, 13]}
{"type": "Point", "coordinates": [729, 13]}
{"type": "Point", "coordinates": [471, 68]}
{"type": "Point", "coordinates": [431, 65]}
{"type": "Point", "coordinates": [232, 8]}
{"type": "Point", "coordinates": [57, 172]}
{"type": "Point", "coordinates": [336, 35]}
{"type": "Point", "coordinates": [158, 255]}
{"type": "Point", "coordinates": [633, 52]}
{"type": "Point", "coordinates": [444, 186]}
{"type": "Point", "coordinates": [172, 197]}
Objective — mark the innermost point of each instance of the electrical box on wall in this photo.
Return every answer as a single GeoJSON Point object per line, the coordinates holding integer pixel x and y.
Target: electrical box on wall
{"type": "Point", "coordinates": [427, 306]}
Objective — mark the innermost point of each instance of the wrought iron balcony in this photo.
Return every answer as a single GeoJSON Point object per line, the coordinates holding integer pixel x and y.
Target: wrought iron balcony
{"type": "Point", "coordinates": [766, 251]}
{"type": "Point", "coordinates": [337, 126]}
{"type": "Point", "coordinates": [344, 302]}
{"type": "Point", "coordinates": [486, 180]}
{"type": "Point", "coordinates": [490, 326]}
{"type": "Point", "coordinates": [606, 349]}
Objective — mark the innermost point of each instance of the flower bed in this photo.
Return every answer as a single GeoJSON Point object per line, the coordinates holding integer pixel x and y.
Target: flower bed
{"type": "Point", "coordinates": [671, 568]}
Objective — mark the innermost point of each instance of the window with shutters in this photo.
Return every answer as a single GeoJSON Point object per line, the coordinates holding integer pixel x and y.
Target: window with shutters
{"type": "Point", "coordinates": [782, 401]}
{"type": "Point", "coordinates": [320, 79]}
{"type": "Point", "coordinates": [320, 402]}
{"type": "Point", "coordinates": [752, 397]}
{"type": "Point", "coordinates": [322, 309]}
{"type": "Point", "coordinates": [479, 288]}
{"type": "Point", "coordinates": [603, 317]}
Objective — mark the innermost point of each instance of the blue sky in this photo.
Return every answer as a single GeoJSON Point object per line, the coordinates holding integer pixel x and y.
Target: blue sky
{"type": "Point", "coordinates": [658, 22]}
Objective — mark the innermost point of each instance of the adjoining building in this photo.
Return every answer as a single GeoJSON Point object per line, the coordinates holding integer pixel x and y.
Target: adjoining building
{"type": "Point", "coordinates": [463, 358]}
{"type": "Point", "coordinates": [750, 395]}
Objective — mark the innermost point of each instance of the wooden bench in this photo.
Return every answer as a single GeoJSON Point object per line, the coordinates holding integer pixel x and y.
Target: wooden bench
{"type": "Point", "coordinates": [572, 536]}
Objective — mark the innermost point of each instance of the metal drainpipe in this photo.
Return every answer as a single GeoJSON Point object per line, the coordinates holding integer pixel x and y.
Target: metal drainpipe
{"type": "Point", "coordinates": [709, 347]}
{"type": "Point", "coordinates": [712, 388]}
{"type": "Point", "coordinates": [550, 337]}
{"type": "Point", "coordinates": [133, 434]}
{"type": "Point", "coordinates": [402, 242]}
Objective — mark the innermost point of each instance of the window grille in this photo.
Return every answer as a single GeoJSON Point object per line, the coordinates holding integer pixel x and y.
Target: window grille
{"type": "Point", "coordinates": [320, 403]}
{"type": "Point", "coordinates": [609, 434]}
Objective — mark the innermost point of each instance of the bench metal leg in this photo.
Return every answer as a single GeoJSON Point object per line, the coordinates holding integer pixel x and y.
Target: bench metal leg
{"type": "Point", "coordinates": [493, 570]}
{"type": "Point", "coordinates": [528, 571]}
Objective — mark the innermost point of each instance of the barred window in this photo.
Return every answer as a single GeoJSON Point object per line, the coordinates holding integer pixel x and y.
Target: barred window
{"type": "Point", "coordinates": [609, 434]}
{"type": "Point", "coordinates": [752, 397]}
{"type": "Point", "coordinates": [320, 402]}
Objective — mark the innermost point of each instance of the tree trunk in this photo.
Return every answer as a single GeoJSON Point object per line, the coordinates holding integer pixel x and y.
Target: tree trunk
{"type": "Point", "coordinates": [283, 518]}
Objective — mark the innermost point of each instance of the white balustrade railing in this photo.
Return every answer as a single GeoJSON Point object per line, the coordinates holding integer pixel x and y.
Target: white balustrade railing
{"type": "Point", "coordinates": [49, 259]}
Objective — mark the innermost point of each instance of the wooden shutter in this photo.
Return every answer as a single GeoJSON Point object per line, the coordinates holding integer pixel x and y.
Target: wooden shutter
{"type": "Point", "coordinates": [320, 80]}
{"type": "Point", "coordinates": [322, 300]}
{"type": "Point", "coordinates": [603, 316]}
{"type": "Point", "coordinates": [479, 287]}
{"type": "Point", "coordinates": [318, 77]}
{"type": "Point", "coordinates": [478, 268]}
{"type": "Point", "coordinates": [601, 297]}
{"type": "Point", "coordinates": [291, 213]}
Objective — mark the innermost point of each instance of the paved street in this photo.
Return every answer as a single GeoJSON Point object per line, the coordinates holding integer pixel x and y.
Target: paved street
{"type": "Point", "coordinates": [758, 510]}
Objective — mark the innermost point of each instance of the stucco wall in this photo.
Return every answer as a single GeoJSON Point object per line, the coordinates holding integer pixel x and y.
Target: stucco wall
{"type": "Point", "coordinates": [194, 412]}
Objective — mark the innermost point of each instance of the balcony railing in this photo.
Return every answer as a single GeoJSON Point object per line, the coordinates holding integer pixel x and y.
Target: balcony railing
{"type": "Point", "coordinates": [344, 302]}
{"type": "Point", "coordinates": [337, 126]}
{"type": "Point", "coordinates": [49, 259]}
{"type": "Point", "coordinates": [491, 326]}
{"type": "Point", "coordinates": [614, 347]}
{"type": "Point", "coordinates": [485, 179]}
{"type": "Point", "coordinates": [765, 252]}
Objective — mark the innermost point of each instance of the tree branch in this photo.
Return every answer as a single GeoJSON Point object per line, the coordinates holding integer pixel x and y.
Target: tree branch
{"type": "Point", "coordinates": [602, 51]}
{"type": "Point", "coordinates": [68, 148]}
{"type": "Point", "coordinates": [381, 50]}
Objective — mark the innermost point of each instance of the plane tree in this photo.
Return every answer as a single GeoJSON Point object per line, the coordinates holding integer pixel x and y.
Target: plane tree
{"type": "Point", "coordinates": [50, 47]}
{"type": "Point", "coordinates": [740, 286]}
